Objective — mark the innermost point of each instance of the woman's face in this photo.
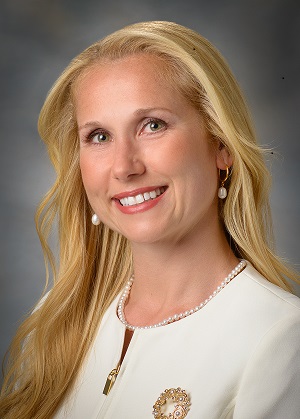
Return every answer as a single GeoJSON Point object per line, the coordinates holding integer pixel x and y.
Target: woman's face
{"type": "Point", "coordinates": [148, 167]}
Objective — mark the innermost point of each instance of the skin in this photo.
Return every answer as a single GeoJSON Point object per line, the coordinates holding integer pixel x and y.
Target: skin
{"type": "Point", "coordinates": [137, 131]}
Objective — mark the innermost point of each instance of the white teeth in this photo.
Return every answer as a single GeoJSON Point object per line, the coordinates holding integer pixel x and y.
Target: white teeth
{"type": "Point", "coordinates": [138, 199]}
{"type": "Point", "coordinates": [131, 200]}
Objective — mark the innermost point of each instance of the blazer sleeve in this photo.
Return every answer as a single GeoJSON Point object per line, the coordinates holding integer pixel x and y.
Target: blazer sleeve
{"type": "Point", "coordinates": [270, 385]}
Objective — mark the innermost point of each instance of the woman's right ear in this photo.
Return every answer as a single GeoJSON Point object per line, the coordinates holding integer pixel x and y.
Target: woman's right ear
{"type": "Point", "coordinates": [224, 159]}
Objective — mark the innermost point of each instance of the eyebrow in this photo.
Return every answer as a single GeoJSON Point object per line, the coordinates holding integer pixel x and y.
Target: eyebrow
{"type": "Point", "coordinates": [138, 112]}
{"type": "Point", "coordinates": [146, 110]}
{"type": "Point", "coordinates": [89, 124]}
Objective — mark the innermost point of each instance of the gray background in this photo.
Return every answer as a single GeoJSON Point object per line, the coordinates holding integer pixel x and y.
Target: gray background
{"type": "Point", "coordinates": [260, 40]}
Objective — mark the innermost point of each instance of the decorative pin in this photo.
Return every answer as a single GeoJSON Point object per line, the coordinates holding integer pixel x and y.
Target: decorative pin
{"type": "Point", "coordinates": [178, 398]}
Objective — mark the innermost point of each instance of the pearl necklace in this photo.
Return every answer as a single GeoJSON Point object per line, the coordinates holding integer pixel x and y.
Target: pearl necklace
{"type": "Point", "coordinates": [176, 317]}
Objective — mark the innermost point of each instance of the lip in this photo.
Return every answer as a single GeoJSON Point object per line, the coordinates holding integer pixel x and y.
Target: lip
{"type": "Point", "coordinates": [135, 192]}
{"type": "Point", "coordinates": [141, 207]}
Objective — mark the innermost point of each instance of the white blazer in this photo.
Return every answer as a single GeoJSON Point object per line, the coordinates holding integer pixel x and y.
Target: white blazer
{"type": "Point", "coordinates": [238, 357]}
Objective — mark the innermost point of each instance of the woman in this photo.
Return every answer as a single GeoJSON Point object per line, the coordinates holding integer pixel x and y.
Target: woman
{"type": "Point", "coordinates": [169, 300]}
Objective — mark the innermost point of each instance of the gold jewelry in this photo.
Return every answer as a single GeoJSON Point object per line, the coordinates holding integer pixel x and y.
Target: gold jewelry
{"type": "Point", "coordinates": [222, 192]}
{"type": "Point", "coordinates": [180, 399]}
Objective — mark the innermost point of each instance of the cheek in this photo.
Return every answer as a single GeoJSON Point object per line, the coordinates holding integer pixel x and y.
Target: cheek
{"type": "Point", "coordinates": [89, 172]}
{"type": "Point", "coordinates": [197, 172]}
{"type": "Point", "coordinates": [84, 169]}
{"type": "Point", "coordinates": [188, 157]}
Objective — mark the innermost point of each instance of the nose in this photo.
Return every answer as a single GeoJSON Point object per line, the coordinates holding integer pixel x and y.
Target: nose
{"type": "Point", "coordinates": [127, 162]}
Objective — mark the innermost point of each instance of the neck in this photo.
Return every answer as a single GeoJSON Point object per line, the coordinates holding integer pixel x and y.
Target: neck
{"type": "Point", "coordinates": [176, 275]}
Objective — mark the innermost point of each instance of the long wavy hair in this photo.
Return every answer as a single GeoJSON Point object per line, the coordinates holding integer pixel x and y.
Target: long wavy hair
{"type": "Point", "coordinates": [94, 262]}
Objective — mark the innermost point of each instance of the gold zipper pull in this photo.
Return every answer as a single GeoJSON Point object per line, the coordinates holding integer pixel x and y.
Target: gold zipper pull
{"type": "Point", "coordinates": [110, 381]}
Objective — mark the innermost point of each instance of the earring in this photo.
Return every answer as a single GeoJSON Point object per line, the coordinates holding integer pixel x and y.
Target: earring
{"type": "Point", "coordinates": [222, 192]}
{"type": "Point", "coordinates": [95, 220]}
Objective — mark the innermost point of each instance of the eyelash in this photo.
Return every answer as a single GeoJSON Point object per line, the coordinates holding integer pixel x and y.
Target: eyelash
{"type": "Point", "coordinates": [93, 134]}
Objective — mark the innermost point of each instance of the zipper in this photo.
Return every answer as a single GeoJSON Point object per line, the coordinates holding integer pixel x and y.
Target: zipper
{"type": "Point", "coordinates": [113, 382]}
{"type": "Point", "coordinates": [110, 381]}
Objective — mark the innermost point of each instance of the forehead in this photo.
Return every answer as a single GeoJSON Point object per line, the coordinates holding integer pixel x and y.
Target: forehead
{"type": "Point", "coordinates": [140, 79]}
{"type": "Point", "coordinates": [121, 69]}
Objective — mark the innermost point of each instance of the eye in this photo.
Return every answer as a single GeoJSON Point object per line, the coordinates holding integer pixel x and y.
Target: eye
{"type": "Point", "coordinates": [98, 137]}
{"type": "Point", "coordinates": [154, 125]}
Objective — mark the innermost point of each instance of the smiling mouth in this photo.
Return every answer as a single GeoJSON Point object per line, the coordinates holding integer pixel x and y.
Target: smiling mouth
{"type": "Point", "coordinates": [142, 197]}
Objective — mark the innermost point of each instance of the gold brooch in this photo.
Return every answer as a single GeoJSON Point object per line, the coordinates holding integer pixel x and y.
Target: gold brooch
{"type": "Point", "coordinates": [172, 396]}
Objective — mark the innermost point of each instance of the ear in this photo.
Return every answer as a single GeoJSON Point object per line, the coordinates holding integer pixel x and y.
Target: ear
{"type": "Point", "coordinates": [223, 157]}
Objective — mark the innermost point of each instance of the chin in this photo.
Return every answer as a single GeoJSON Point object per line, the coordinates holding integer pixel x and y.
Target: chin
{"type": "Point", "coordinates": [144, 236]}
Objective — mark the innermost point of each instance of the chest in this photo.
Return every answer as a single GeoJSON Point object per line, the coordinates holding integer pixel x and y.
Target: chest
{"type": "Point", "coordinates": [203, 359]}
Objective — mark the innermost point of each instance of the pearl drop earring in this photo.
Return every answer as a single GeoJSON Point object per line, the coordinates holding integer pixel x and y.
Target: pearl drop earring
{"type": "Point", "coordinates": [95, 220]}
{"type": "Point", "coordinates": [222, 192]}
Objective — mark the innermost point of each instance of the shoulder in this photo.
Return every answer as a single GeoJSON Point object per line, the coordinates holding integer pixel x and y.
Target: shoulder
{"type": "Point", "coordinates": [253, 306]}
{"type": "Point", "coordinates": [273, 365]}
{"type": "Point", "coordinates": [268, 320]}
{"type": "Point", "coordinates": [262, 293]}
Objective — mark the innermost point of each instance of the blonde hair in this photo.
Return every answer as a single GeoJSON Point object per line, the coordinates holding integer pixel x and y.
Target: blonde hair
{"type": "Point", "coordinates": [94, 262]}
